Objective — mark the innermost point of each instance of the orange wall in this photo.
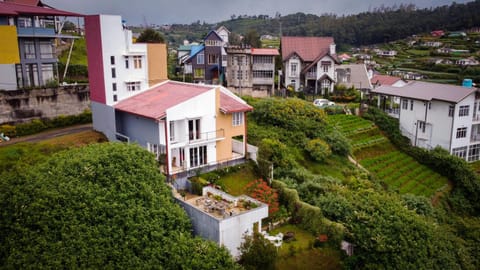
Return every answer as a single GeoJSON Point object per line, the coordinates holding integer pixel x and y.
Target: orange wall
{"type": "Point", "coordinates": [157, 63]}
{"type": "Point", "coordinates": [9, 46]}
{"type": "Point", "coordinates": [224, 147]}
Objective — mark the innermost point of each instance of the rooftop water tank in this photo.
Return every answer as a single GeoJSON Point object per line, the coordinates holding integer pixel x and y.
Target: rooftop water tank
{"type": "Point", "coordinates": [467, 83]}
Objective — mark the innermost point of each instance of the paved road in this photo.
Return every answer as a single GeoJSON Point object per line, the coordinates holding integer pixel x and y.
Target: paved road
{"type": "Point", "coordinates": [49, 134]}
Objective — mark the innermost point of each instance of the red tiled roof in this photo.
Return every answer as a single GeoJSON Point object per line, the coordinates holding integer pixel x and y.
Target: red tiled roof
{"type": "Point", "coordinates": [8, 8]}
{"type": "Point", "coordinates": [307, 48]}
{"type": "Point", "coordinates": [154, 102]}
{"type": "Point", "coordinates": [231, 105]}
{"type": "Point", "coordinates": [256, 51]}
{"type": "Point", "coordinates": [384, 79]}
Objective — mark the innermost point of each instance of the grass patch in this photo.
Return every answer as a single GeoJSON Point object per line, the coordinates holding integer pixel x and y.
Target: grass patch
{"type": "Point", "coordinates": [333, 166]}
{"type": "Point", "coordinates": [234, 183]}
{"type": "Point", "coordinates": [299, 254]}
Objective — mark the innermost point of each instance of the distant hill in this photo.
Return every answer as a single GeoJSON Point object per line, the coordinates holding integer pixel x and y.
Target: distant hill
{"type": "Point", "coordinates": [380, 25]}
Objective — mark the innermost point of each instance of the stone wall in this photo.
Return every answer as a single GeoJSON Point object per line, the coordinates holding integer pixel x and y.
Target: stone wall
{"type": "Point", "coordinates": [25, 105]}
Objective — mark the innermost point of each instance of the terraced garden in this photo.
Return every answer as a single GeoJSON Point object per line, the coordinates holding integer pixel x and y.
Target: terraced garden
{"type": "Point", "coordinates": [375, 153]}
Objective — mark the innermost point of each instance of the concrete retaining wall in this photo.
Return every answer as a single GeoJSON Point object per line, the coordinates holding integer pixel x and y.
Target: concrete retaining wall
{"type": "Point", "coordinates": [19, 106]}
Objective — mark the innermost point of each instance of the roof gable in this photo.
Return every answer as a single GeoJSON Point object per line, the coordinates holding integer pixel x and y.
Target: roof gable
{"type": "Point", "coordinates": [427, 91]}
{"type": "Point", "coordinates": [213, 35]}
{"type": "Point", "coordinates": [307, 48]}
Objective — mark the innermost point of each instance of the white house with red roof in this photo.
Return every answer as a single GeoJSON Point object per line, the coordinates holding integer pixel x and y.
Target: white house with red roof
{"type": "Point", "coordinates": [309, 62]}
{"type": "Point", "coordinates": [433, 114]}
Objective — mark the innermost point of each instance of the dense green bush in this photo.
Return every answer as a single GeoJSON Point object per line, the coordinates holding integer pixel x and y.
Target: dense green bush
{"type": "Point", "coordinates": [101, 206]}
{"type": "Point", "coordinates": [318, 149]}
{"type": "Point", "coordinates": [38, 125]}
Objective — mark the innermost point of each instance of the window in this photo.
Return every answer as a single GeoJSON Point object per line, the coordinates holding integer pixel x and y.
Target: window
{"type": "Point", "coordinates": [201, 59]}
{"type": "Point", "coordinates": [31, 78]}
{"type": "Point", "coordinates": [463, 111]}
{"type": "Point", "coordinates": [405, 104]}
{"type": "Point", "coordinates": [29, 50]}
{"type": "Point", "coordinates": [239, 74]}
{"type": "Point", "coordinates": [199, 73]}
{"type": "Point", "coordinates": [240, 60]}
{"type": "Point", "coordinates": [421, 126]}
{"type": "Point", "coordinates": [18, 69]}
{"type": "Point", "coordinates": [460, 152]}
{"type": "Point", "coordinates": [325, 84]}
{"type": "Point", "coordinates": [451, 110]}
{"type": "Point", "coordinates": [133, 86]}
{"type": "Point", "coordinates": [411, 105]}
{"type": "Point", "coordinates": [114, 98]}
{"type": "Point", "coordinates": [262, 59]}
{"type": "Point", "coordinates": [194, 129]}
{"type": "Point", "coordinates": [213, 43]}
{"type": "Point", "coordinates": [461, 132]}
{"type": "Point", "coordinates": [474, 152]}
{"type": "Point", "coordinates": [47, 73]}
{"type": "Point", "coordinates": [137, 62]}
{"type": "Point", "coordinates": [198, 156]}
{"type": "Point", "coordinates": [46, 50]}
{"type": "Point", "coordinates": [212, 59]}
{"type": "Point", "coordinates": [262, 74]}
{"type": "Point", "coordinates": [172, 131]}
{"type": "Point", "coordinates": [325, 68]}
{"type": "Point", "coordinates": [237, 119]}
{"type": "Point", "coordinates": [126, 62]}
{"type": "Point", "coordinates": [112, 60]}
{"type": "Point", "coordinates": [114, 73]}
{"type": "Point", "coordinates": [114, 86]}
{"type": "Point", "coordinates": [24, 22]}
{"type": "Point", "coordinates": [293, 69]}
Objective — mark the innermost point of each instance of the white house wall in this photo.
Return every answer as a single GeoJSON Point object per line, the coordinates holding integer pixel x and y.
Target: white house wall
{"type": "Point", "coordinates": [115, 40]}
{"type": "Point", "coordinates": [464, 121]}
{"type": "Point", "coordinates": [441, 124]}
{"type": "Point", "coordinates": [289, 77]}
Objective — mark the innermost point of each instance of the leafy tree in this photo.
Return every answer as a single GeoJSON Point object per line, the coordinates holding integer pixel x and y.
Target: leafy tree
{"type": "Point", "coordinates": [257, 253]}
{"type": "Point", "coordinates": [252, 38]}
{"type": "Point", "coordinates": [101, 206]}
{"type": "Point", "coordinates": [149, 35]}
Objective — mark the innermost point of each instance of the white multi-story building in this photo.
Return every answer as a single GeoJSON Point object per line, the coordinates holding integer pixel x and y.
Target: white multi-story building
{"type": "Point", "coordinates": [433, 114]}
{"type": "Point", "coordinates": [309, 62]}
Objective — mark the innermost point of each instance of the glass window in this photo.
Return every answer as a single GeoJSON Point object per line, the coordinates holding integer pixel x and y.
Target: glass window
{"type": "Point", "coordinates": [461, 132]}
{"type": "Point", "coordinates": [114, 98]}
{"type": "Point", "coordinates": [46, 50]}
{"type": "Point", "coordinates": [114, 86]}
{"type": "Point", "coordinates": [411, 105]}
{"type": "Point", "coordinates": [237, 118]}
{"type": "Point", "coordinates": [474, 152]}
{"type": "Point", "coordinates": [172, 131]}
{"type": "Point", "coordinates": [293, 69]}
{"type": "Point", "coordinates": [199, 73]}
{"type": "Point", "coordinates": [47, 73]}
{"type": "Point", "coordinates": [126, 62]}
{"type": "Point", "coordinates": [29, 47]}
{"type": "Point", "coordinates": [137, 62]}
{"type": "Point", "coordinates": [405, 104]}
{"type": "Point", "coordinates": [133, 86]}
{"type": "Point", "coordinates": [200, 58]}
{"type": "Point", "coordinates": [112, 60]}
{"type": "Point", "coordinates": [451, 110]}
{"type": "Point", "coordinates": [460, 152]}
{"type": "Point", "coordinates": [463, 111]}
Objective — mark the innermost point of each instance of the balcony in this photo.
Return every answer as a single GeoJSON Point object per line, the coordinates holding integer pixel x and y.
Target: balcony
{"type": "Point", "coordinates": [311, 75]}
{"type": "Point", "coordinates": [195, 138]}
{"type": "Point", "coordinates": [36, 32]}
{"type": "Point", "coordinates": [476, 118]}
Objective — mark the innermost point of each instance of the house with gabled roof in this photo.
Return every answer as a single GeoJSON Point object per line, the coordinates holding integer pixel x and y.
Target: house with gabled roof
{"type": "Point", "coordinates": [309, 62]}
{"type": "Point", "coordinates": [443, 115]}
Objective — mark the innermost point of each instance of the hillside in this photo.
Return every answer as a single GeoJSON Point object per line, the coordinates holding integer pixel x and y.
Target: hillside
{"type": "Point", "coordinates": [378, 26]}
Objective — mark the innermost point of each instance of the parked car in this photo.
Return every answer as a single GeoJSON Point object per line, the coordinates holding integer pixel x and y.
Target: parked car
{"type": "Point", "coordinates": [321, 103]}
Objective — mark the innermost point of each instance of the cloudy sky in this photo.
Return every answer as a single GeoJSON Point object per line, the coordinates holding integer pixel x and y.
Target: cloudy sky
{"type": "Point", "coordinates": [210, 11]}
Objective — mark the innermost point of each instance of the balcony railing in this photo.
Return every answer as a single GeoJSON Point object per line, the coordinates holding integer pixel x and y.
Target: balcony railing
{"type": "Point", "coordinates": [476, 118]}
{"type": "Point", "coordinates": [198, 137]}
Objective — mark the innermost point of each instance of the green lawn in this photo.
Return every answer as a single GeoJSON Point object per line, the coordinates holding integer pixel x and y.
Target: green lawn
{"type": "Point", "coordinates": [334, 166]}
{"type": "Point", "coordinates": [300, 254]}
{"type": "Point", "coordinates": [234, 183]}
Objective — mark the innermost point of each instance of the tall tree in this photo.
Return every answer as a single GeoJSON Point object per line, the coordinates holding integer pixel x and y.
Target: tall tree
{"type": "Point", "coordinates": [149, 35]}
{"type": "Point", "coordinates": [252, 38]}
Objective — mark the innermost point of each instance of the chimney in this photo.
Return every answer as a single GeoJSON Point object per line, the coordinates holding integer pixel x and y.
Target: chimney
{"type": "Point", "coordinates": [332, 49]}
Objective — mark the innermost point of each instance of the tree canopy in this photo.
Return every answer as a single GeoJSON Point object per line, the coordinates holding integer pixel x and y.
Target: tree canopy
{"type": "Point", "coordinates": [101, 206]}
{"type": "Point", "coordinates": [149, 35]}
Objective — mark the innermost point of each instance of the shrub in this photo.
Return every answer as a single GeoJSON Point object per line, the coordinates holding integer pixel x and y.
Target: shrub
{"type": "Point", "coordinates": [260, 190]}
{"type": "Point", "coordinates": [318, 149]}
{"type": "Point", "coordinates": [8, 130]}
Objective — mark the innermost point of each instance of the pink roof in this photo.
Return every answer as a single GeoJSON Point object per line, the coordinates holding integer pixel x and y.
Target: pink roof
{"type": "Point", "coordinates": [154, 102]}
{"type": "Point", "coordinates": [256, 51]}
{"type": "Point", "coordinates": [308, 48]}
{"type": "Point", "coordinates": [231, 105]}
{"type": "Point", "coordinates": [8, 8]}
{"type": "Point", "coordinates": [384, 79]}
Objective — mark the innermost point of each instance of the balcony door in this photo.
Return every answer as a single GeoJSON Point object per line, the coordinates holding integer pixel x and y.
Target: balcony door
{"type": "Point", "coordinates": [194, 129]}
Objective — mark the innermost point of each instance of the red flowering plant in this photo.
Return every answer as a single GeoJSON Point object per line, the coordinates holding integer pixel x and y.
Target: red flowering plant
{"type": "Point", "coordinates": [260, 191]}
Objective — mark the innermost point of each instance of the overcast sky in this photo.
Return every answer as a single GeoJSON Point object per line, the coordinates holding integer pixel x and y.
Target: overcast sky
{"type": "Point", "coordinates": [211, 11]}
